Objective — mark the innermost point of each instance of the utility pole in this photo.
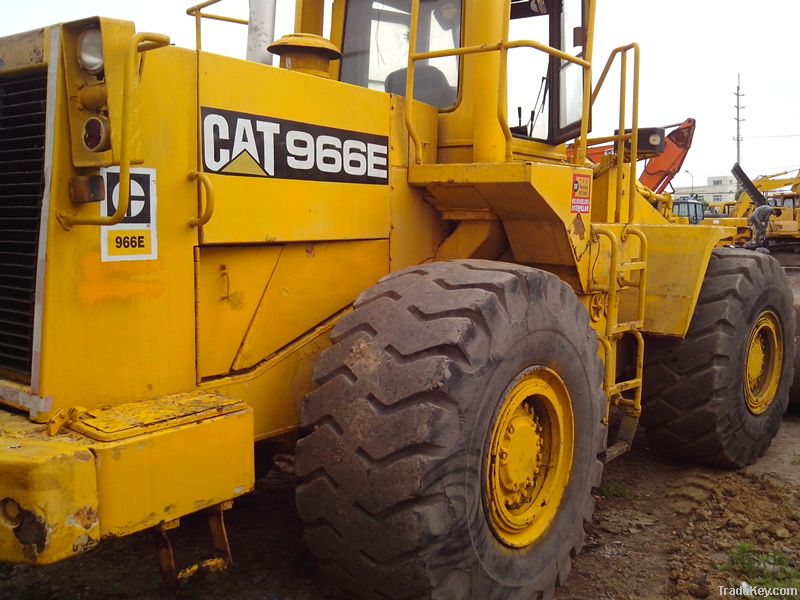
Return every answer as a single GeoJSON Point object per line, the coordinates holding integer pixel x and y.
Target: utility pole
{"type": "Point", "coordinates": [739, 95]}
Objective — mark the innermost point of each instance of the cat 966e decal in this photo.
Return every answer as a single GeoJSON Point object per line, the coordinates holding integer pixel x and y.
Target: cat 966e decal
{"type": "Point", "coordinates": [242, 144]}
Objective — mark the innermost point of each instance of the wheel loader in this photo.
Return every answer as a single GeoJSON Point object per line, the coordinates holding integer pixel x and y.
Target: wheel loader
{"type": "Point", "coordinates": [458, 323]}
{"type": "Point", "coordinates": [778, 191]}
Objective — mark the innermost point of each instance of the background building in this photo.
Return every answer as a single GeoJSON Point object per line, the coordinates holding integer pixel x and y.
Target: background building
{"type": "Point", "coordinates": [718, 188]}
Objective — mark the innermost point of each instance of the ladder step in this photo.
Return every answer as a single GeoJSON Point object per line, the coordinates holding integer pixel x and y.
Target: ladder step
{"type": "Point", "coordinates": [629, 326]}
{"type": "Point", "coordinates": [615, 451]}
{"type": "Point", "coordinates": [624, 386]}
{"type": "Point", "coordinates": [638, 265]}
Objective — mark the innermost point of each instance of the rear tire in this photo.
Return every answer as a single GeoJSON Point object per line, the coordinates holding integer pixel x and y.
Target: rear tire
{"type": "Point", "coordinates": [394, 492]}
{"type": "Point", "coordinates": [703, 403]}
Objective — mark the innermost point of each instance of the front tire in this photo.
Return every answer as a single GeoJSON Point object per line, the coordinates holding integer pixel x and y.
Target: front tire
{"type": "Point", "coordinates": [439, 371]}
{"type": "Point", "coordinates": [717, 397]}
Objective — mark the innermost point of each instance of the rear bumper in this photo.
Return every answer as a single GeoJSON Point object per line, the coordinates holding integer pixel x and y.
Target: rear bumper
{"type": "Point", "coordinates": [48, 495]}
{"type": "Point", "coordinates": [60, 495]}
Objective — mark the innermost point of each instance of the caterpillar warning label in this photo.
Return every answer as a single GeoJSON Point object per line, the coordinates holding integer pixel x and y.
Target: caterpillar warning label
{"type": "Point", "coordinates": [581, 193]}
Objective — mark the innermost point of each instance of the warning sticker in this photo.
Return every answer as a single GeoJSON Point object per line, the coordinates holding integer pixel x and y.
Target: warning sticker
{"type": "Point", "coordinates": [581, 193]}
{"type": "Point", "coordinates": [134, 238]}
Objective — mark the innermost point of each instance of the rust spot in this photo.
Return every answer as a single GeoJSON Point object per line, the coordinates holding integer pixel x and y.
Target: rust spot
{"type": "Point", "coordinates": [310, 250]}
{"type": "Point", "coordinates": [236, 300]}
{"type": "Point", "coordinates": [86, 517]}
{"type": "Point", "coordinates": [83, 455]}
{"type": "Point", "coordinates": [578, 227]}
{"type": "Point", "coordinates": [31, 533]}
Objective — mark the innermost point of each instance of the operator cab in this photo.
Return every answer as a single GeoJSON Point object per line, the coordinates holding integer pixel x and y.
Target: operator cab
{"type": "Point", "coordinates": [545, 94]}
{"type": "Point", "coordinates": [691, 209]}
{"type": "Point", "coordinates": [541, 94]}
{"type": "Point", "coordinates": [375, 48]}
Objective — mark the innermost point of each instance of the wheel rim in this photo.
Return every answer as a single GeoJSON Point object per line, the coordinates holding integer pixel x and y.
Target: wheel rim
{"type": "Point", "coordinates": [763, 359]}
{"type": "Point", "coordinates": [530, 457]}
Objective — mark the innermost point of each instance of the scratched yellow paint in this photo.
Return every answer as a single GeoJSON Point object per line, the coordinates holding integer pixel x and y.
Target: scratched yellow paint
{"type": "Point", "coordinates": [74, 489]}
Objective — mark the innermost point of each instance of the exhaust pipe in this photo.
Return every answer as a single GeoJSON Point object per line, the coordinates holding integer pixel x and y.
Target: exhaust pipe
{"type": "Point", "coordinates": [261, 30]}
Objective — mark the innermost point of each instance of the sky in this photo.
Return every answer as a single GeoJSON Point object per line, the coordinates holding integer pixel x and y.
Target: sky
{"type": "Point", "coordinates": [692, 53]}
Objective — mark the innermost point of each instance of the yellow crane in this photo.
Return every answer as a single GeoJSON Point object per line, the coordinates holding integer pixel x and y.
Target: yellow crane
{"type": "Point", "coordinates": [201, 253]}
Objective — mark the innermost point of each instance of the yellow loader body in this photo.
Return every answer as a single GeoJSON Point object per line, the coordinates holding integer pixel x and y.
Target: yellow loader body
{"type": "Point", "coordinates": [167, 328]}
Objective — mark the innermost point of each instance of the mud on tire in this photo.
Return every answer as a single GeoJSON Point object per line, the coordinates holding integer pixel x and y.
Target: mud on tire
{"type": "Point", "coordinates": [695, 405]}
{"type": "Point", "coordinates": [393, 465]}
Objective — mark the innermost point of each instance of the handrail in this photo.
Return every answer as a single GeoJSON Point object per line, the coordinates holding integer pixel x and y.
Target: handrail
{"type": "Point", "coordinates": [613, 329]}
{"type": "Point", "coordinates": [412, 45]}
{"type": "Point", "coordinates": [205, 183]}
{"type": "Point", "coordinates": [589, 98]}
{"type": "Point", "coordinates": [582, 144]}
{"type": "Point", "coordinates": [613, 305]}
{"type": "Point", "coordinates": [503, 47]}
{"type": "Point", "coordinates": [140, 42]}
{"type": "Point", "coordinates": [643, 256]}
{"type": "Point", "coordinates": [622, 136]}
{"type": "Point", "coordinates": [607, 67]}
{"type": "Point", "coordinates": [198, 14]}
{"type": "Point", "coordinates": [500, 46]}
{"type": "Point", "coordinates": [197, 10]}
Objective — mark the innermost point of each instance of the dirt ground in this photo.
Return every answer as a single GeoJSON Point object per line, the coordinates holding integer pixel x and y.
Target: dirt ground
{"type": "Point", "coordinates": [661, 530]}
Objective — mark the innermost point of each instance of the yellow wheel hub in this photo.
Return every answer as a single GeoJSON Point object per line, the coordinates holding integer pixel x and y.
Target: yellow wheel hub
{"type": "Point", "coordinates": [762, 361]}
{"type": "Point", "coordinates": [530, 457]}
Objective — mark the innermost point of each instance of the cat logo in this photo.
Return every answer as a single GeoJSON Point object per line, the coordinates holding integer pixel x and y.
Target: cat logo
{"type": "Point", "coordinates": [248, 145]}
{"type": "Point", "coordinates": [133, 238]}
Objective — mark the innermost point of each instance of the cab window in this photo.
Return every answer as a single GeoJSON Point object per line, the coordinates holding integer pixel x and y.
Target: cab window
{"type": "Point", "coordinates": [545, 94]}
{"type": "Point", "coordinates": [375, 48]}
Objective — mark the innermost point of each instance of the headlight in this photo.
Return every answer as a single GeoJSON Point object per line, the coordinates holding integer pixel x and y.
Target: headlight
{"type": "Point", "coordinates": [90, 51]}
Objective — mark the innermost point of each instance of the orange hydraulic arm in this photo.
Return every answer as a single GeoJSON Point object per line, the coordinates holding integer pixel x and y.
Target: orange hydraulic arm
{"type": "Point", "coordinates": [661, 168]}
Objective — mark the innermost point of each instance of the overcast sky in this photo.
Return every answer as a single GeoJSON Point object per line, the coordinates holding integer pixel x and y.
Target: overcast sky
{"type": "Point", "coordinates": [692, 51]}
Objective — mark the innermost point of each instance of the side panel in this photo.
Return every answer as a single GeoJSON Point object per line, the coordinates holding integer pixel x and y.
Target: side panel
{"type": "Point", "coordinates": [417, 229]}
{"type": "Point", "coordinates": [122, 331]}
{"type": "Point", "coordinates": [310, 283]}
{"type": "Point", "coordinates": [274, 150]}
{"type": "Point", "coordinates": [231, 281]}
{"type": "Point", "coordinates": [275, 388]}
{"type": "Point", "coordinates": [252, 301]}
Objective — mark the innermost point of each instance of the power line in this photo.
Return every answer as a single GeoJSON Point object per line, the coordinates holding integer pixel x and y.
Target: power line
{"type": "Point", "coordinates": [738, 118]}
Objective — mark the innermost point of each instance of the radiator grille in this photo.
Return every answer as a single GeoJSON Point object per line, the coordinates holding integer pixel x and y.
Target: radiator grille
{"type": "Point", "coordinates": [22, 132]}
